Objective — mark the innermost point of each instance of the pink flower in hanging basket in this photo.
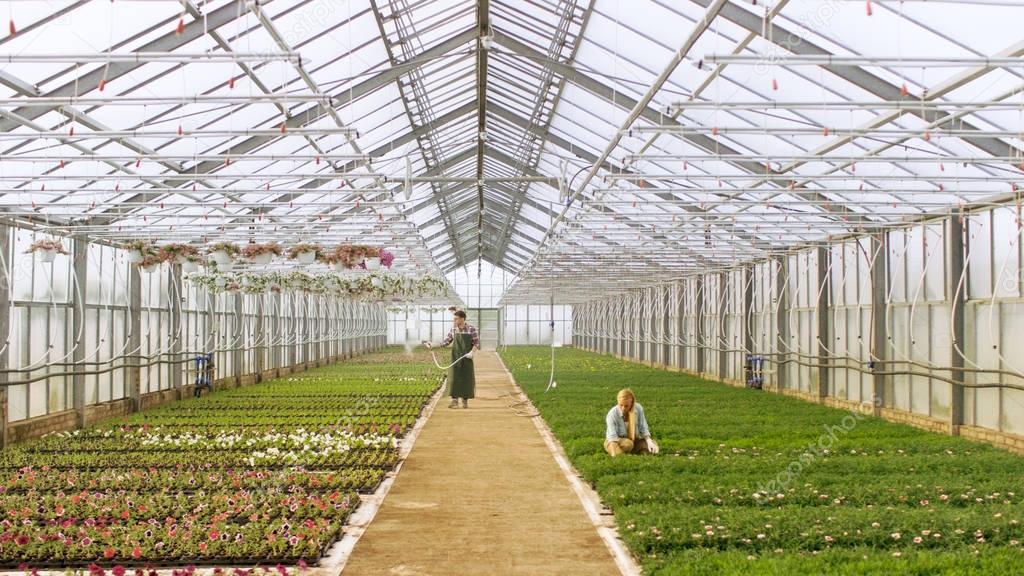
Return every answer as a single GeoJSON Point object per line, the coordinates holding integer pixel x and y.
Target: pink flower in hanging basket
{"type": "Point", "coordinates": [386, 258]}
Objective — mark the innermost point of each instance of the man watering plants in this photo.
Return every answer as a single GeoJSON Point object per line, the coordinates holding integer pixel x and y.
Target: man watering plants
{"type": "Point", "coordinates": [464, 340]}
{"type": "Point", "coordinates": [626, 430]}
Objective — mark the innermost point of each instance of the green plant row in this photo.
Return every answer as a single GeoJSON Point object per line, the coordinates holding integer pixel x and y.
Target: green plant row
{"type": "Point", "coordinates": [754, 482]}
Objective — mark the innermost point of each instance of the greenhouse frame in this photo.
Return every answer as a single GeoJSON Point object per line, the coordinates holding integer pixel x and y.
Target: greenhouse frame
{"type": "Point", "coordinates": [236, 229]}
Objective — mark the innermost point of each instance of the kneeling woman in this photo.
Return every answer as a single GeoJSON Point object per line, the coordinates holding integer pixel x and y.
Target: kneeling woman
{"type": "Point", "coordinates": [626, 430]}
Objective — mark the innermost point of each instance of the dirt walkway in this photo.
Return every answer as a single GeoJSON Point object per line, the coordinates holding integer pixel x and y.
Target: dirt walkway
{"type": "Point", "coordinates": [481, 494]}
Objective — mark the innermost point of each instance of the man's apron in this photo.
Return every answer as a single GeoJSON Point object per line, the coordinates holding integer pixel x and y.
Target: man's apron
{"type": "Point", "coordinates": [461, 379]}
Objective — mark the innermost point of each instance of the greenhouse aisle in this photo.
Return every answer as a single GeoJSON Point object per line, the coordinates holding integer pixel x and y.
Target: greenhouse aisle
{"type": "Point", "coordinates": [481, 494]}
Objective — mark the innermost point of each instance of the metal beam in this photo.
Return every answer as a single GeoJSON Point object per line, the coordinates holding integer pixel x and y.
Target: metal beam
{"type": "Point", "coordinates": [315, 112]}
{"type": "Point", "coordinates": [858, 76]}
{"type": "Point", "coordinates": [483, 22]}
{"type": "Point", "coordinates": [166, 43]}
{"type": "Point", "coordinates": [619, 99]}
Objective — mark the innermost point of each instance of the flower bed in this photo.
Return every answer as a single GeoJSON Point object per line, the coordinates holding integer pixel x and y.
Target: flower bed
{"type": "Point", "coordinates": [754, 482]}
{"type": "Point", "coordinates": [258, 475]}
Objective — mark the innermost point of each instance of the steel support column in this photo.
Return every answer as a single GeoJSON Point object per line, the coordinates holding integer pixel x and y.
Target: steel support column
{"type": "Point", "coordinates": [722, 336]}
{"type": "Point", "coordinates": [175, 299]}
{"type": "Point", "coordinates": [958, 300]}
{"type": "Point", "coordinates": [80, 254]}
{"type": "Point", "coordinates": [679, 338]}
{"type": "Point", "coordinates": [237, 336]}
{"type": "Point", "coordinates": [133, 373]}
{"type": "Point", "coordinates": [879, 336]}
{"type": "Point", "coordinates": [666, 325]}
{"type": "Point", "coordinates": [823, 313]}
{"type": "Point", "coordinates": [699, 332]}
{"type": "Point", "coordinates": [5, 323]}
{"type": "Point", "coordinates": [748, 310]}
{"type": "Point", "coordinates": [261, 345]}
{"type": "Point", "coordinates": [783, 340]}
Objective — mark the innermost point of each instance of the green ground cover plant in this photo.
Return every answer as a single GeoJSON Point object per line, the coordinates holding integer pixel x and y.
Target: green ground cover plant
{"type": "Point", "coordinates": [261, 475]}
{"type": "Point", "coordinates": [757, 483]}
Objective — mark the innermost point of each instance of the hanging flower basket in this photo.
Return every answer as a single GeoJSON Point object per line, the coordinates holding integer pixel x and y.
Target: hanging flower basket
{"type": "Point", "coordinates": [371, 258]}
{"type": "Point", "coordinates": [304, 253]}
{"type": "Point", "coordinates": [138, 250]}
{"type": "Point", "coordinates": [352, 255]}
{"type": "Point", "coordinates": [223, 252]}
{"type": "Point", "coordinates": [261, 254]}
{"type": "Point", "coordinates": [192, 264]}
{"type": "Point", "coordinates": [177, 253]}
{"type": "Point", "coordinates": [386, 258]}
{"type": "Point", "coordinates": [46, 250]}
{"type": "Point", "coordinates": [150, 263]}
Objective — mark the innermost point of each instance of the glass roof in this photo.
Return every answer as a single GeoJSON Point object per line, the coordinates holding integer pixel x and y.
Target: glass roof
{"type": "Point", "coordinates": [559, 140]}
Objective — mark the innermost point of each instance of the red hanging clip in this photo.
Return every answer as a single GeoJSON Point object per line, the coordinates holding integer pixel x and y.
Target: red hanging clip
{"type": "Point", "coordinates": [775, 84]}
{"type": "Point", "coordinates": [181, 27]}
{"type": "Point", "coordinates": [102, 85]}
{"type": "Point", "coordinates": [867, 6]}
{"type": "Point", "coordinates": [12, 28]}
{"type": "Point", "coordinates": [231, 83]}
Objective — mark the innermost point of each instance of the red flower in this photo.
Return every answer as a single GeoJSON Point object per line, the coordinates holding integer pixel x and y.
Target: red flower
{"type": "Point", "coordinates": [21, 539]}
{"type": "Point", "coordinates": [214, 534]}
{"type": "Point", "coordinates": [109, 553]}
{"type": "Point", "coordinates": [136, 552]}
{"type": "Point", "coordinates": [118, 570]}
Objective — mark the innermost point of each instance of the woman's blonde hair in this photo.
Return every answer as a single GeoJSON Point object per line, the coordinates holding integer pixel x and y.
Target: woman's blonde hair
{"type": "Point", "coordinates": [626, 393]}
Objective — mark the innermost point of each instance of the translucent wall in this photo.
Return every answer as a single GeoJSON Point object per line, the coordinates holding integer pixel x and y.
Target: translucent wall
{"type": "Point", "coordinates": [248, 333]}
{"type": "Point", "coordinates": [858, 319]}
